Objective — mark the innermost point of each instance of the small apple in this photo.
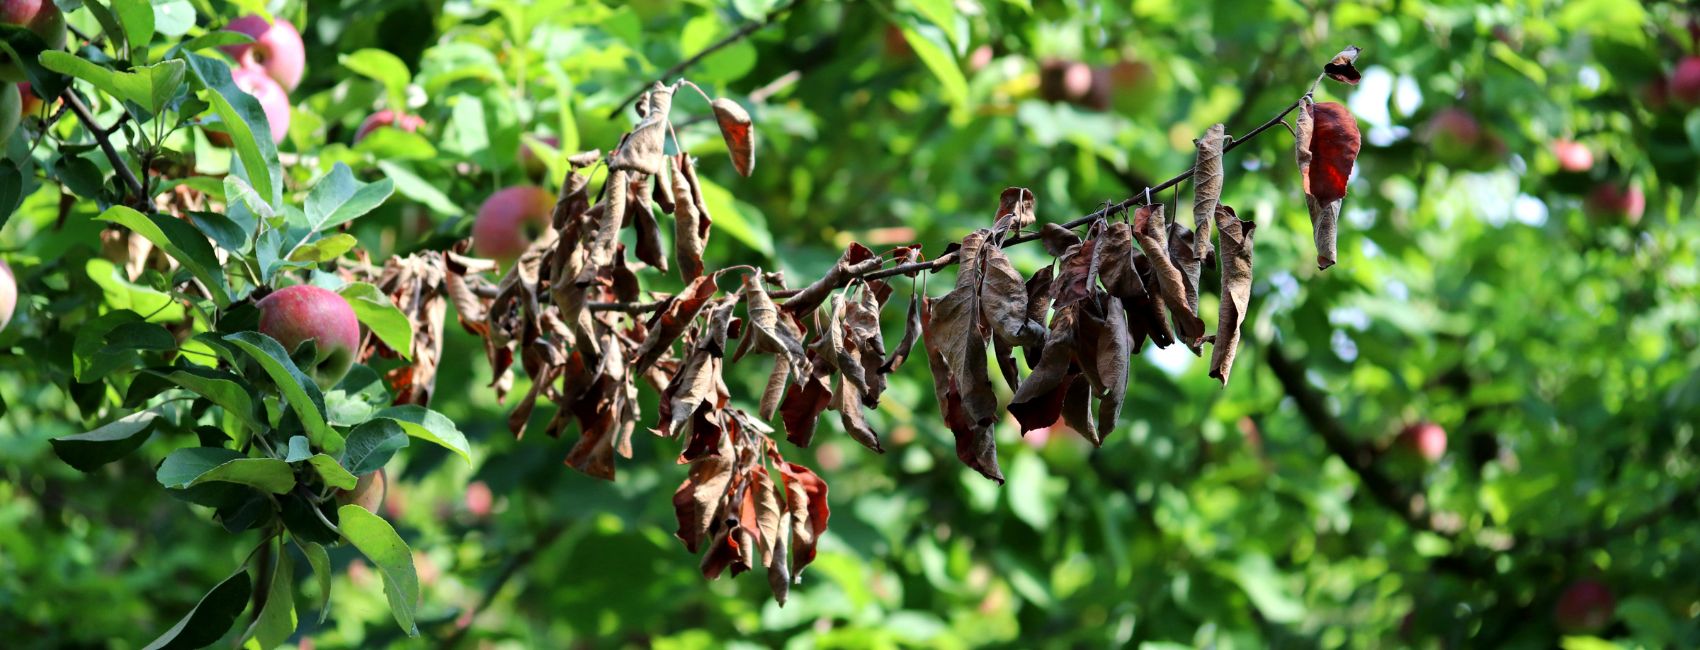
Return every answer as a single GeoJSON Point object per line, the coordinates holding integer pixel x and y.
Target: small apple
{"type": "Point", "coordinates": [368, 492]}
{"type": "Point", "coordinates": [292, 315]}
{"type": "Point", "coordinates": [39, 16]}
{"type": "Point", "coordinates": [277, 49]}
{"type": "Point", "coordinates": [510, 220]}
{"type": "Point", "coordinates": [8, 294]}
{"type": "Point", "coordinates": [388, 118]}
{"type": "Point", "coordinates": [479, 499]}
{"type": "Point", "coordinates": [980, 58]}
{"type": "Point", "coordinates": [1064, 81]}
{"type": "Point", "coordinates": [1426, 439]}
{"type": "Point", "coordinates": [1453, 135]}
{"type": "Point", "coordinates": [1685, 81]}
{"type": "Point", "coordinates": [1586, 606]}
{"type": "Point", "coordinates": [530, 161]}
{"type": "Point", "coordinates": [1616, 202]}
{"type": "Point", "coordinates": [30, 103]}
{"type": "Point", "coordinates": [273, 100]}
{"type": "Point", "coordinates": [1573, 156]}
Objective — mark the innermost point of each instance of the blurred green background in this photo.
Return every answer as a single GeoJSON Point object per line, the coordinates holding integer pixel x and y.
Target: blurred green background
{"type": "Point", "coordinates": [1518, 265]}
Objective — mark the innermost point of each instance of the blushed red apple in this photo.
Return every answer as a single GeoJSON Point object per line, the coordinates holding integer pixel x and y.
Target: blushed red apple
{"type": "Point", "coordinates": [8, 294]}
{"type": "Point", "coordinates": [273, 100]}
{"type": "Point", "coordinates": [510, 219]}
{"type": "Point", "coordinates": [1426, 439]}
{"type": "Point", "coordinates": [388, 118]}
{"type": "Point", "coordinates": [277, 49]}
{"type": "Point", "coordinates": [1064, 81]}
{"type": "Point", "coordinates": [530, 161]}
{"type": "Point", "coordinates": [39, 16]}
{"type": "Point", "coordinates": [1616, 202]}
{"type": "Point", "coordinates": [292, 315]}
{"type": "Point", "coordinates": [1586, 606]}
{"type": "Point", "coordinates": [479, 499]}
{"type": "Point", "coordinates": [1684, 84]}
{"type": "Point", "coordinates": [1573, 156]}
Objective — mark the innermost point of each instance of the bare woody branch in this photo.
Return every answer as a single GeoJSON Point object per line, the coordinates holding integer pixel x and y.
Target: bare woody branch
{"type": "Point", "coordinates": [740, 34]}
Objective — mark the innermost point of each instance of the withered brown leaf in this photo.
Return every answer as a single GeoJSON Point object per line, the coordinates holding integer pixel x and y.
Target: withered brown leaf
{"type": "Point", "coordinates": [1015, 210]}
{"type": "Point", "coordinates": [1207, 188]}
{"type": "Point", "coordinates": [805, 501]}
{"type": "Point", "coordinates": [697, 502]}
{"type": "Point", "coordinates": [642, 151]}
{"type": "Point", "coordinates": [856, 261]}
{"type": "Point", "coordinates": [1183, 252]}
{"type": "Point", "coordinates": [1151, 232]}
{"type": "Point", "coordinates": [735, 129]}
{"type": "Point", "coordinates": [669, 323]}
{"type": "Point", "coordinates": [1236, 237]}
{"type": "Point", "coordinates": [804, 402]}
{"type": "Point", "coordinates": [691, 221]}
{"type": "Point", "coordinates": [1334, 147]}
{"type": "Point", "coordinates": [959, 333]}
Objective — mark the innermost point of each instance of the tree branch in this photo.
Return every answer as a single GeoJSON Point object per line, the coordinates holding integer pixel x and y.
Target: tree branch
{"type": "Point", "coordinates": [740, 34]}
{"type": "Point", "coordinates": [104, 139]}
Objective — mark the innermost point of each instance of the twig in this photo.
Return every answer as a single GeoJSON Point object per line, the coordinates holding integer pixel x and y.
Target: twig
{"type": "Point", "coordinates": [103, 138]}
{"type": "Point", "coordinates": [740, 34]}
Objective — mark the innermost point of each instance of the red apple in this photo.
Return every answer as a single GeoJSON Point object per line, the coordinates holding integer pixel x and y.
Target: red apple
{"type": "Point", "coordinates": [368, 492]}
{"type": "Point", "coordinates": [1573, 156]}
{"type": "Point", "coordinates": [8, 294]}
{"type": "Point", "coordinates": [292, 315]}
{"type": "Point", "coordinates": [980, 58]}
{"type": "Point", "coordinates": [29, 102]}
{"type": "Point", "coordinates": [1426, 439]}
{"type": "Point", "coordinates": [1454, 136]}
{"type": "Point", "coordinates": [273, 100]}
{"type": "Point", "coordinates": [39, 16]}
{"type": "Point", "coordinates": [510, 219]}
{"type": "Point", "coordinates": [388, 118]}
{"type": "Point", "coordinates": [530, 161]}
{"type": "Point", "coordinates": [1616, 202]}
{"type": "Point", "coordinates": [277, 49]}
{"type": "Point", "coordinates": [1586, 606]}
{"type": "Point", "coordinates": [1685, 81]}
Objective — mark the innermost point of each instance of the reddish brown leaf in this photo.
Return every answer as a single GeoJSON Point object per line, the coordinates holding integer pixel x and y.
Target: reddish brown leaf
{"type": "Point", "coordinates": [950, 400]}
{"type": "Point", "coordinates": [958, 335]}
{"type": "Point", "coordinates": [697, 502]}
{"type": "Point", "coordinates": [1057, 239]}
{"type": "Point", "coordinates": [1207, 189]}
{"type": "Point", "coordinates": [649, 246]}
{"type": "Point", "coordinates": [803, 404]}
{"type": "Point", "coordinates": [763, 513]}
{"type": "Point", "coordinates": [1184, 253]}
{"type": "Point", "coordinates": [1015, 210]}
{"type": "Point", "coordinates": [735, 129]}
{"type": "Point", "coordinates": [856, 260]}
{"type": "Point", "coordinates": [697, 385]}
{"type": "Point", "coordinates": [1151, 232]}
{"type": "Point", "coordinates": [669, 323]}
{"type": "Point", "coordinates": [1334, 148]}
{"type": "Point", "coordinates": [805, 497]}
{"type": "Point", "coordinates": [691, 221]}
{"type": "Point", "coordinates": [911, 332]}
{"type": "Point", "coordinates": [779, 563]}
{"type": "Point", "coordinates": [1077, 412]}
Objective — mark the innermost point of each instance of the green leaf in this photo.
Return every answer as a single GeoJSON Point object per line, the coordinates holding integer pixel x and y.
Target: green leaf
{"type": "Point", "coordinates": [1262, 582]}
{"type": "Point", "coordinates": [299, 450]}
{"type": "Point", "coordinates": [88, 451]}
{"type": "Point", "coordinates": [192, 466]}
{"type": "Point", "coordinates": [246, 123]}
{"type": "Point", "coordinates": [353, 400]}
{"type": "Point", "coordinates": [302, 394]}
{"type": "Point", "coordinates": [137, 19]}
{"type": "Point", "coordinates": [210, 618]}
{"type": "Point", "coordinates": [121, 294]}
{"type": "Point", "coordinates": [378, 313]}
{"type": "Point", "coordinates": [182, 241]}
{"type": "Point", "coordinates": [383, 67]}
{"type": "Point", "coordinates": [380, 544]}
{"type": "Point", "coordinates": [467, 135]}
{"type": "Point", "coordinates": [324, 250]}
{"type": "Point", "coordinates": [923, 39]}
{"type": "Point", "coordinates": [396, 144]}
{"type": "Point", "coordinates": [208, 40]}
{"type": "Point", "coordinates": [150, 87]}
{"type": "Point", "coordinates": [431, 426]}
{"type": "Point", "coordinates": [332, 472]}
{"type": "Point", "coordinates": [740, 220]}
{"type": "Point", "coordinates": [173, 18]}
{"type": "Point", "coordinates": [371, 445]}
{"type": "Point", "coordinates": [418, 189]}
{"type": "Point", "coordinates": [339, 198]}
{"type": "Point", "coordinates": [277, 620]}
{"type": "Point", "coordinates": [224, 231]}
{"type": "Point", "coordinates": [222, 388]}
{"type": "Point", "coordinates": [321, 562]}
{"type": "Point", "coordinates": [94, 355]}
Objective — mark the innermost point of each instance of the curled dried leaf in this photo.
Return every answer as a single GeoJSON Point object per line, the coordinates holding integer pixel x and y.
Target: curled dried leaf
{"type": "Point", "coordinates": [856, 260]}
{"type": "Point", "coordinates": [1152, 234]}
{"type": "Point", "coordinates": [1236, 237]}
{"type": "Point", "coordinates": [735, 129]}
{"type": "Point", "coordinates": [691, 221]}
{"type": "Point", "coordinates": [1207, 187]}
{"type": "Point", "coordinates": [642, 151]}
{"type": "Point", "coordinates": [1015, 210]}
{"type": "Point", "coordinates": [669, 323]}
{"type": "Point", "coordinates": [1334, 148]}
{"type": "Point", "coordinates": [1342, 68]}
